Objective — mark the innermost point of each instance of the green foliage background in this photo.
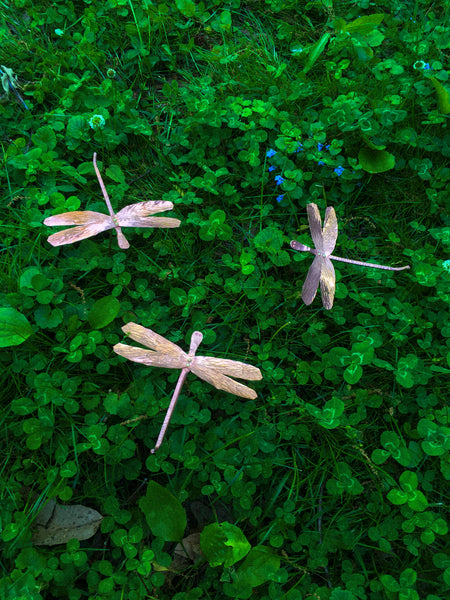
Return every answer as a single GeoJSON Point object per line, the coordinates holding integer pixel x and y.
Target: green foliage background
{"type": "Point", "coordinates": [333, 483]}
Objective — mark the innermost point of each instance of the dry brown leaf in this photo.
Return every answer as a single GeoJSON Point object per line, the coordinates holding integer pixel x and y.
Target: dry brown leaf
{"type": "Point", "coordinates": [56, 524]}
{"type": "Point", "coordinates": [187, 552]}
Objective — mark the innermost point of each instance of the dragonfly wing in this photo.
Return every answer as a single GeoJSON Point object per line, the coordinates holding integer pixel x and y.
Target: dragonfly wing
{"type": "Point", "coordinates": [315, 225]}
{"type": "Point", "coordinates": [150, 358]}
{"type": "Point", "coordinates": [150, 222]}
{"type": "Point", "coordinates": [220, 381]}
{"type": "Point", "coordinates": [330, 230]}
{"type": "Point", "coordinates": [149, 338]}
{"type": "Point", "coordinates": [327, 283]}
{"type": "Point", "coordinates": [233, 368]}
{"type": "Point", "coordinates": [309, 289]}
{"type": "Point", "coordinates": [137, 215]}
{"type": "Point", "coordinates": [77, 217]}
{"type": "Point", "coordinates": [88, 223]}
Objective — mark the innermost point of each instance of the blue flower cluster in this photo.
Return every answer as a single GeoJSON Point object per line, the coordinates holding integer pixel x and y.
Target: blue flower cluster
{"type": "Point", "coordinates": [279, 179]}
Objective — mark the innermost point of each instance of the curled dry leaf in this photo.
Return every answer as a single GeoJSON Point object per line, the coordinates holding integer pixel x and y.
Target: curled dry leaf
{"type": "Point", "coordinates": [187, 552]}
{"type": "Point", "coordinates": [56, 524]}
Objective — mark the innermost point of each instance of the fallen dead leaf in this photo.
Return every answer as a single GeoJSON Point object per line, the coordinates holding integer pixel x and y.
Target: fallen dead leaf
{"type": "Point", "coordinates": [56, 524]}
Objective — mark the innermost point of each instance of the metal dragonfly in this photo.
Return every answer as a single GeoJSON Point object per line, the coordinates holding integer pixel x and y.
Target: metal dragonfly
{"type": "Point", "coordinates": [90, 223]}
{"type": "Point", "coordinates": [216, 371]}
{"type": "Point", "coordinates": [322, 271]}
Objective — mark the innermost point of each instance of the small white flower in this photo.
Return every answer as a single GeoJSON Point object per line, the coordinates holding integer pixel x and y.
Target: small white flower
{"type": "Point", "coordinates": [446, 265]}
{"type": "Point", "coordinates": [97, 122]}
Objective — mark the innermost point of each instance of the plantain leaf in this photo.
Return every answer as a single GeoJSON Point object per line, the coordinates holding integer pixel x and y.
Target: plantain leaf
{"type": "Point", "coordinates": [14, 327]}
{"type": "Point", "coordinates": [376, 161]}
{"type": "Point", "coordinates": [316, 51]}
{"type": "Point", "coordinates": [442, 96]}
{"type": "Point", "coordinates": [103, 312]}
{"type": "Point", "coordinates": [223, 543]}
{"type": "Point", "coordinates": [164, 513]}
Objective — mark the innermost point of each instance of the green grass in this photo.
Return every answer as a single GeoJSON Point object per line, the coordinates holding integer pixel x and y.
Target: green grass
{"type": "Point", "coordinates": [333, 483]}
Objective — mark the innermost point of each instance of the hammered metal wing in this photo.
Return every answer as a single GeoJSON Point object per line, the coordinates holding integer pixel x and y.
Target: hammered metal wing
{"type": "Point", "coordinates": [309, 289]}
{"type": "Point", "coordinates": [88, 222]}
{"type": "Point", "coordinates": [327, 283]}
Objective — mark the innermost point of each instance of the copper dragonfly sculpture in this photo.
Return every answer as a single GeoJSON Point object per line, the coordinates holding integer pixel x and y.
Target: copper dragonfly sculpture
{"type": "Point", "coordinates": [163, 353]}
{"type": "Point", "coordinates": [322, 271]}
{"type": "Point", "coordinates": [90, 223]}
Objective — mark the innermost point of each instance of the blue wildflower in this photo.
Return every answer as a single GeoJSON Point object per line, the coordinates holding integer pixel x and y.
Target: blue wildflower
{"type": "Point", "coordinates": [319, 147]}
{"type": "Point", "coordinates": [321, 163]}
{"type": "Point", "coordinates": [299, 148]}
{"type": "Point", "coordinates": [270, 153]}
{"type": "Point", "coordinates": [281, 196]}
{"type": "Point", "coordinates": [279, 180]}
{"type": "Point", "coordinates": [339, 170]}
{"type": "Point", "coordinates": [272, 168]}
{"type": "Point", "coordinates": [426, 66]}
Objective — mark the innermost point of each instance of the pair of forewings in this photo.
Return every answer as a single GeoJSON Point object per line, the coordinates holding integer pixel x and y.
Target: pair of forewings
{"type": "Point", "coordinates": [322, 270]}
{"type": "Point", "coordinates": [216, 371]}
{"type": "Point", "coordinates": [90, 223]}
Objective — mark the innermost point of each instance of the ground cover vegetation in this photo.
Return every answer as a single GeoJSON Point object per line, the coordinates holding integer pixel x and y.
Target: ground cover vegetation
{"type": "Point", "coordinates": [333, 483]}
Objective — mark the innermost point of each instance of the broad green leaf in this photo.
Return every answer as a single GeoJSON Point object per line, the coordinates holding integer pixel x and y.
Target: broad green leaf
{"type": "Point", "coordinates": [397, 497]}
{"type": "Point", "coordinates": [390, 583]}
{"type": "Point", "coordinates": [315, 51]}
{"type": "Point", "coordinates": [164, 513]}
{"type": "Point", "coordinates": [178, 296]}
{"type": "Point", "coordinates": [269, 240]}
{"type": "Point", "coordinates": [365, 24]}
{"type": "Point", "coordinates": [379, 456]}
{"type": "Point", "coordinates": [442, 96]}
{"type": "Point", "coordinates": [418, 502]}
{"type": "Point", "coordinates": [376, 161]}
{"type": "Point", "coordinates": [44, 138]}
{"type": "Point", "coordinates": [408, 480]}
{"type": "Point", "coordinates": [408, 578]}
{"type": "Point", "coordinates": [26, 279]}
{"type": "Point", "coordinates": [371, 145]}
{"type": "Point", "coordinates": [186, 7]}
{"type": "Point", "coordinates": [333, 408]}
{"type": "Point", "coordinates": [14, 327]}
{"type": "Point", "coordinates": [217, 218]}
{"type": "Point", "coordinates": [225, 20]}
{"type": "Point", "coordinates": [223, 543]}
{"type": "Point", "coordinates": [353, 373]}
{"type": "Point", "coordinates": [76, 127]}
{"type": "Point", "coordinates": [196, 294]}
{"type": "Point", "coordinates": [115, 173]}
{"type": "Point", "coordinates": [103, 312]}
{"type": "Point", "coordinates": [259, 566]}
